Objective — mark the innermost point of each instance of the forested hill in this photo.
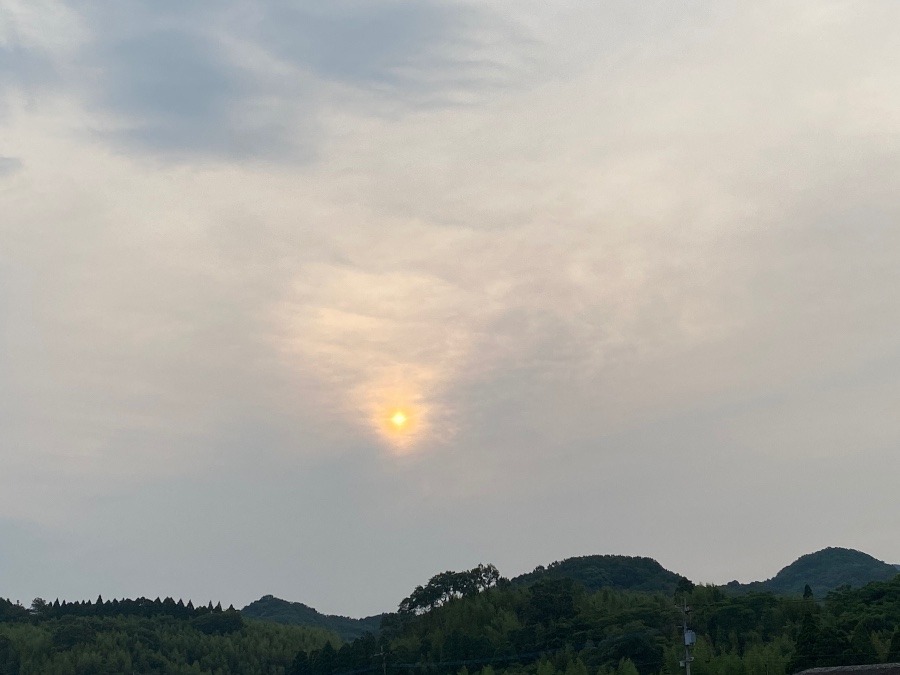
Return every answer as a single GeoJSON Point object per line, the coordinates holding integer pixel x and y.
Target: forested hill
{"type": "Point", "coordinates": [270, 608]}
{"type": "Point", "coordinates": [824, 571]}
{"type": "Point", "coordinates": [145, 636]}
{"type": "Point", "coordinates": [554, 626]}
{"type": "Point", "coordinates": [620, 572]}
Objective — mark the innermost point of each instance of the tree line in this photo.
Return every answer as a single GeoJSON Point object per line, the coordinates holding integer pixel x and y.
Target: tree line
{"type": "Point", "coordinates": [555, 626]}
{"type": "Point", "coordinates": [473, 622]}
{"type": "Point", "coordinates": [146, 636]}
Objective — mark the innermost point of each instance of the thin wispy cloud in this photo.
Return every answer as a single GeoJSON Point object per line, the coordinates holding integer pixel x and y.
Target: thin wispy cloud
{"type": "Point", "coordinates": [592, 255]}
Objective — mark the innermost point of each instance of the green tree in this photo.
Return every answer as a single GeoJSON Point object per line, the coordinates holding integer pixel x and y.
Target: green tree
{"type": "Point", "coordinates": [862, 650]}
{"type": "Point", "coordinates": [576, 667]}
{"type": "Point", "coordinates": [323, 661]}
{"type": "Point", "coordinates": [807, 645]}
{"type": "Point", "coordinates": [10, 661]}
{"type": "Point", "coordinates": [684, 586]}
{"type": "Point", "coordinates": [301, 664]}
{"type": "Point", "coordinates": [627, 667]}
{"type": "Point", "coordinates": [893, 655]}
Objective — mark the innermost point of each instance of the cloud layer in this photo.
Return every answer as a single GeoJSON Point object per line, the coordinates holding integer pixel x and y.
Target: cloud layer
{"type": "Point", "coordinates": [625, 267]}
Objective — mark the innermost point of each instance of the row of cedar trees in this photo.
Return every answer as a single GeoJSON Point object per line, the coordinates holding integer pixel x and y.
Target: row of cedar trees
{"type": "Point", "coordinates": [142, 607]}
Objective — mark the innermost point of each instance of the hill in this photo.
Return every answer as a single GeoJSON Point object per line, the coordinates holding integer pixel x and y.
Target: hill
{"type": "Point", "coordinates": [824, 571]}
{"type": "Point", "coordinates": [555, 626]}
{"type": "Point", "coordinates": [270, 608]}
{"type": "Point", "coordinates": [145, 636]}
{"type": "Point", "coordinates": [619, 572]}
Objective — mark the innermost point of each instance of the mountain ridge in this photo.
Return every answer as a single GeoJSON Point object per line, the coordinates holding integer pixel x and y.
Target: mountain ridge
{"type": "Point", "coordinates": [823, 570]}
{"type": "Point", "coordinates": [633, 573]}
{"type": "Point", "coordinates": [270, 608]}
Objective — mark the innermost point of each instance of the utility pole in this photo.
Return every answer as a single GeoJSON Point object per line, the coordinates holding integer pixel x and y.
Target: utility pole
{"type": "Point", "coordinates": [690, 637]}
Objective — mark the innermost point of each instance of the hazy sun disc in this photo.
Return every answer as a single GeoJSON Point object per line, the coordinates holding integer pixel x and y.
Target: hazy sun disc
{"type": "Point", "coordinates": [399, 419]}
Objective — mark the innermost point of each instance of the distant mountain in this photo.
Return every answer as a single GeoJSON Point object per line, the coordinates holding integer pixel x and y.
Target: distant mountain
{"type": "Point", "coordinates": [608, 571]}
{"type": "Point", "coordinates": [824, 571]}
{"type": "Point", "coordinates": [270, 608]}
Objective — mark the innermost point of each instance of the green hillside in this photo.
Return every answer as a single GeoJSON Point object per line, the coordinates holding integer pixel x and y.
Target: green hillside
{"type": "Point", "coordinates": [592, 615]}
{"type": "Point", "coordinates": [555, 626]}
{"type": "Point", "coordinates": [145, 636]}
{"type": "Point", "coordinates": [824, 571]}
{"type": "Point", "coordinates": [608, 571]}
{"type": "Point", "coordinates": [270, 608]}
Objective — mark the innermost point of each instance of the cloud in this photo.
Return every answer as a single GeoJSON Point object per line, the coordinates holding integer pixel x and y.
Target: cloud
{"type": "Point", "coordinates": [20, 67]}
{"type": "Point", "coordinates": [242, 81]}
{"type": "Point", "coordinates": [36, 38]}
{"type": "Point", "coordinates": [383, 44]}
{"type": "Point", "coordinates": [171, 86]}
{"type": "Point", "coordinates": [9, 165]}
{"type": "Point", "coordinates": [625, 260]}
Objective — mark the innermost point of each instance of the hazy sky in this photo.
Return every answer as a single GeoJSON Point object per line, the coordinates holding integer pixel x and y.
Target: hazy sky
{"type": "Point", "coordinates": [628, 269]}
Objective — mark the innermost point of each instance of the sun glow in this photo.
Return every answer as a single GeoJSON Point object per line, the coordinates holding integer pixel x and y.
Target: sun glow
{"type": "Point", "coordinates": [401, 424]}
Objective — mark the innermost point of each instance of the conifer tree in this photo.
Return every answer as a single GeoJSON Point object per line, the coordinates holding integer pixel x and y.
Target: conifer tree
{"type": "Point", "coordinates": [576, 667]}
{"type": "Point", "coordinates": [806, 644]}
{"type": "Point", "coordinates": [862, 651]}
{"type": "Point", "coordinates": [893, 655]}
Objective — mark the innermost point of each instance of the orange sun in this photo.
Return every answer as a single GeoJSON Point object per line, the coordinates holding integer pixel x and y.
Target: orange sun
{"type": "Point", "coordinates": [399, 419]}
{"type": "Point", "coordinates": [400, 422]}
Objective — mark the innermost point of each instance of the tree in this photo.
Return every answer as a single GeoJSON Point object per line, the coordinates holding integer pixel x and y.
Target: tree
{"type": "Point", "coordinates": [862, 651]}
{"type": "Point", "coordinates": [893, 655]}
{"type": "Point", "coordinates": [218, 623]}
{"type": "Point", "coordinates": [627, 667]}
{"type": "Point", "coordinates": [443, 587]}
{"type": "Point", "coordinates": [807, 644]}
{"type": "Point", "coordinates": [322, 661]}
{"type": "Point", "coordinates": [576, 667]}
{"type": "Point", "coordinates": [683, 586]}
{"type": "Point", "coordinates": [485, 576]}
{"type": "Point", "coordinates": [552, 600]}
{"type": "Point", "coordinates": [10, 662]}
{"type": "Point", "coordinates": [301, 664]}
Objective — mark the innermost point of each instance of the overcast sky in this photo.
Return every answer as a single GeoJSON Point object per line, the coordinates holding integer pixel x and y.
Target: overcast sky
{"type": "Point", "coordinates": [629, 271]}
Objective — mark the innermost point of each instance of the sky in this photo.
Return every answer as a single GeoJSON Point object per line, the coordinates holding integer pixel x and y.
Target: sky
{"type": "Point", "coordinates": [321, 299]}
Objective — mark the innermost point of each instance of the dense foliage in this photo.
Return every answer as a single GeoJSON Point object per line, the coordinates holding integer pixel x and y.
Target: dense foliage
{"type": "Point", "coordinates": [270, 608]}
{"type": "Point", "coordinates": [158, 636]}
{"type": "Point", "coordinates": [446, 586]}
{"type": "Point", "coordinates": [824, 571]}
{"type": "Point", "coordinates": [609, 571]}
{"type": "Point", "coordinates": [598, 615]}
{"type": "Point", "coordinates": [556, 626]}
